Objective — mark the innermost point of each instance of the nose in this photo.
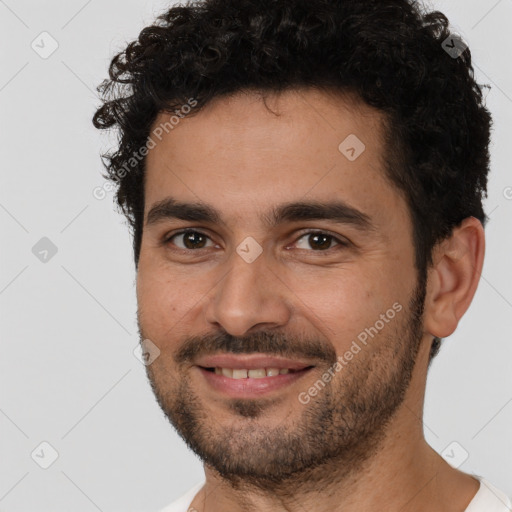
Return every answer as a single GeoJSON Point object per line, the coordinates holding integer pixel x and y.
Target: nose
{"type": "Point", "coordinates": [249, 296]}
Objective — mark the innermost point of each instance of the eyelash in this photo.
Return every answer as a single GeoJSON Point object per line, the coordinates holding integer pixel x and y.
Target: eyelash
{"type": "Point", "coordinates": [340, 243]}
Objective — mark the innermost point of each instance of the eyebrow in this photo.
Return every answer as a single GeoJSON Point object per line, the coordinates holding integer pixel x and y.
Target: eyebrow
{"type": "Point", "coordinates": [335, 211]}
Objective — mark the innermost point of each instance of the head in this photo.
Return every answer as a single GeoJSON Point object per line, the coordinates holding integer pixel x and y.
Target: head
{"type": "Point", "coordinates": [243, 107]}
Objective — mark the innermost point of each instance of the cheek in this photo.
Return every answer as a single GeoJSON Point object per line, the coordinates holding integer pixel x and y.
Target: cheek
{"type": "Point", "coordinates": [333, 300]}
{"type": "Point", "coordinates": [341, 303]}
{"type": "Point", "coordinates": [156, 297]}
{"type": "Point", "coordinates": [167, 301]}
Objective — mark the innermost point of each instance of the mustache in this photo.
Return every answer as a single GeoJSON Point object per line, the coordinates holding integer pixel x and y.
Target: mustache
{"type": "Point", "coordinates": [272, 343]}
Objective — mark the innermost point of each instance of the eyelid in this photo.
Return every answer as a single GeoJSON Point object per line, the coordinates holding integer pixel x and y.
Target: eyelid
{"type": "Point", "coordinates": [313, 231]}
{"type": "Point", "coordinates": [340, 240]}
{"type": "Point", "coordinates": [167, 238]}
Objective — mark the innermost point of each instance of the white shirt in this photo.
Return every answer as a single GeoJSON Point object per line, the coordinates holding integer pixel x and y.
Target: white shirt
{"type": "Point", "coordinates": [487, 499]}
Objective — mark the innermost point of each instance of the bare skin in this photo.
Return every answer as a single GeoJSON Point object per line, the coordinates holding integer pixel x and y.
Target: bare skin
{"type": "Point", "coordinates": [241, 159]}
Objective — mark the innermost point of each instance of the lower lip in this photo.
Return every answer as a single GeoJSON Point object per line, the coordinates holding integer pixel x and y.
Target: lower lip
{"type": "Point", "coordinates": [250, 387]}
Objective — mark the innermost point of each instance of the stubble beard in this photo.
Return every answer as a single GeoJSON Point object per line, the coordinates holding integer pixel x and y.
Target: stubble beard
{"type": "Point", "coordinates": [332, 436]}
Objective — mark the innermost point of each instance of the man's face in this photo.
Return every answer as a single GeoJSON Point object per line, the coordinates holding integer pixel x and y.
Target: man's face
{"type": "Point", "coordinates": [335, 299]}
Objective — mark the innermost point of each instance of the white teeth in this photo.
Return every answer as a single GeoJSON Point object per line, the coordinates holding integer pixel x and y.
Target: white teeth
{"type": "Point", "coordinates": [227, 372]}
{"type": "Point", "coordinates": [256, 373]}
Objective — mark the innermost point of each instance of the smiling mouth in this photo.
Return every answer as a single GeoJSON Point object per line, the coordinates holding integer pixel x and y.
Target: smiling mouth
{"type": "Point", "coordinates": [253, 373]}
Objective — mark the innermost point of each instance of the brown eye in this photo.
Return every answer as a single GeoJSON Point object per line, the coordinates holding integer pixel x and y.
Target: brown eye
{"type": "Point", "coordinates": [321, 241]}
{"type": "Point", "coordinates": [191, 239]}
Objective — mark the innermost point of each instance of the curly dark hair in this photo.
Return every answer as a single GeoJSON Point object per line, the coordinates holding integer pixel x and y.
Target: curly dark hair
{"type": "Point", "coordinates": [390, 53]}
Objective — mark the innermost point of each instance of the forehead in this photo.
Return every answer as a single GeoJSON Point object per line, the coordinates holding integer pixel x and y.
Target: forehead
{"type": "Point", "coordinates": [237, 155]}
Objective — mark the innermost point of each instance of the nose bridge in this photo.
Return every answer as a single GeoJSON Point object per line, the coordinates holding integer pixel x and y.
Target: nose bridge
{"type": "Point", "coordinates": [249, 294]}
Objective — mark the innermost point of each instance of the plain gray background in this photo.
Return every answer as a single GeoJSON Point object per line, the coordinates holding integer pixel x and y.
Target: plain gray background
{"type": "Point", "coordinates": [68, 374]}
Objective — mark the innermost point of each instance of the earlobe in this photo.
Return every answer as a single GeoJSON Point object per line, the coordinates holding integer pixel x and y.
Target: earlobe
{"type": "Point", "coordinates": [453, 277]}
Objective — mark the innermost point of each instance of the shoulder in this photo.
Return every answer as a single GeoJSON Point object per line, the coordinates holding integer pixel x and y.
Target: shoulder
{"type": "Point", "coordinates": [182, 504]}
{"type": "Point", "coordinates": [489, 499]}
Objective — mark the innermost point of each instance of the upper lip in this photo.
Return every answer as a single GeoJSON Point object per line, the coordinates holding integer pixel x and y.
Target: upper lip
{"type": "Point", "coordinates": [250, 362]}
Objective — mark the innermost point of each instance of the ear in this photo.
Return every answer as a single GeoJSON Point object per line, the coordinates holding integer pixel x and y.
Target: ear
{"type": "Point", "coordinates": [453, 277]}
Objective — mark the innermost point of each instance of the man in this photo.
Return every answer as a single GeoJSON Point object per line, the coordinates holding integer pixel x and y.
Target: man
{"type": "Point", "coordinates": [304, 181]}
